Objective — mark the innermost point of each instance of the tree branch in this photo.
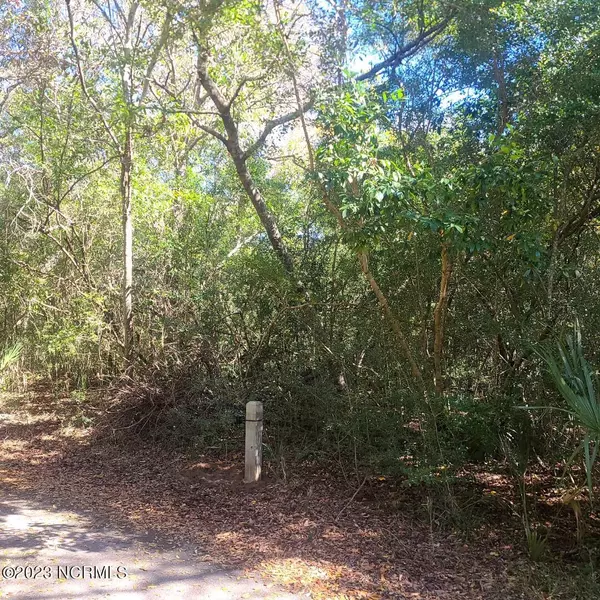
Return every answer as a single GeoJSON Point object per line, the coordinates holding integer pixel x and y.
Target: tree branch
{"type": "Point", "coordinates": [272, 124]}
{"type": "Point", "coordinates": [79, 179]}
{"type": "Point", "coordinates": [208, 129]}
{"type": "Point", "coordinates": [164, 34]}
{"type": "Point", "coordinates": [82, 80]}
{"type": "Point", "coordinates": [241, 85]}
{"type": "Point", "coordinates": [406, 51]}
{"type": "Point", "coordinates": [588, 211]}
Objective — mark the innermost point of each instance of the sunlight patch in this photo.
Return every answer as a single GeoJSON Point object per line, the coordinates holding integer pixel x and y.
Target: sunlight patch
{"type": "Point", "coordinates": [19, 522]}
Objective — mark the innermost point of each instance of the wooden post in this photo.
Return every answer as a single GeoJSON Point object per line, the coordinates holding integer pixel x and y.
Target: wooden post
{"type": "Point", "coordinates": [254, 430]}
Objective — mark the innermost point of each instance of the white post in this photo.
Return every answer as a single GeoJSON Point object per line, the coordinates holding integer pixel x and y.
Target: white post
{"type": "Point", "coordinates": [254, 430]}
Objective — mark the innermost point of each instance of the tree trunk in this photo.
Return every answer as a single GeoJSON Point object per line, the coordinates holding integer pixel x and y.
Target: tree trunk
{"type": "Point", "coordinates": [232, 143]}
{"type": "Point", "coordinates": [393, 320]}
{"type": "Point", "coordinates": [265, 216]}
{"type": "Point", "coordinates": [502, 95]}
{"type": "Point", "coordinates": [126, 194]}
{"type": "Point", "coordinates": [439, 320]}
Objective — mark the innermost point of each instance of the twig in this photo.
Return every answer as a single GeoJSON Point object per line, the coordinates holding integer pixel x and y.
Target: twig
{"type": "Point", "coordinates": [351, 499]}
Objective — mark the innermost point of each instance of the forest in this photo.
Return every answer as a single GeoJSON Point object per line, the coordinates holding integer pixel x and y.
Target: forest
{"type": "Point", "coordinates": [380, 218]}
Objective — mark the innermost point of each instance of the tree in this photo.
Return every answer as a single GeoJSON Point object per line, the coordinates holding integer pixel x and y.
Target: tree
{"type": "Point", "coordinates": [134, 45]}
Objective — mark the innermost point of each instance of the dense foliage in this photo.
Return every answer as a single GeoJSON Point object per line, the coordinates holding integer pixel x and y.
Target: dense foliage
{"type": "Point", "coordinates": [370, 215]}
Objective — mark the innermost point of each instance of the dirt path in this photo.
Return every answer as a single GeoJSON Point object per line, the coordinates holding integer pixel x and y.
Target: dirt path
{"type": "Point", "coordinates": [67, 556]}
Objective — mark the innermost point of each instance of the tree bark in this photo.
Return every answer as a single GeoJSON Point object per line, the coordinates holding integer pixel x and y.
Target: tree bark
{"type": "Point", "coordinates": [234, 148]}
{"type": "Point", "coordinates": [500, 77]}
{"type": "Point", "coordinates": [439, 320]}
{"type": "Point", "coordinates": [126, 197]}
{"type": "Point", "coordinates": [393, 320]}
{"type": "Point", "coordinates": [263, 212]}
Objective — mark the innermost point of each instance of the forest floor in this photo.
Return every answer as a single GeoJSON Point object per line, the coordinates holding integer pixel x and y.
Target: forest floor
{"type": "Point", "coordinates": [313, 532]}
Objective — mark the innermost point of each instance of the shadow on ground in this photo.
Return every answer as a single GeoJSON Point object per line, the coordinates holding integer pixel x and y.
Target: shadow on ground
{"type": "Point", "coordinates": [47, 554]}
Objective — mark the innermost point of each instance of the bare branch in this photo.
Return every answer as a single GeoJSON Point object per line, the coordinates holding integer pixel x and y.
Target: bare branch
{"type": "Point", "coordinates": [164, 34]}
{"type": "Point", "coordinates": [91, 172]}
{"type": "Point", "coordinates": [406, 51]}
{"type": "Point", "coordinates": [176, 95]}
{"type": "Point", "coordinates": [272, 124]}
{"type": "Point", "coordinates": [108, 17]}
{"type": "Point", "coordinates": [311, 157]}
{"type": "Point", "coordinates": [208, 129]}
{"type": "Point", "coordinates": [83, 83]}
{"type": "Point", "coordinates": [241, 85]}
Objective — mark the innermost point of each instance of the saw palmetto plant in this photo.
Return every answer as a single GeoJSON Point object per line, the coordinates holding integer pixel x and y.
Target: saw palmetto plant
{"type": "Point", "coordinates": [577, 383]}
{"type": "Point", "coordinates": [9, 356]}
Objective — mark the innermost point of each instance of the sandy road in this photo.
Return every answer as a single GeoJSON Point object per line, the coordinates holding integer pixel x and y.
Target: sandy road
{"type": "Point", "coordinates": [66, 555]}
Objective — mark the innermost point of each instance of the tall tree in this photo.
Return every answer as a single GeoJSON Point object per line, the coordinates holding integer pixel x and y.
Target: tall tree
{"type": "Point", "coordinates": [133, 42]}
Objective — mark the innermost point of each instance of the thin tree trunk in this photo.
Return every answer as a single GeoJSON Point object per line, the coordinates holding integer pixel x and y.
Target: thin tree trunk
{"type": "Point", "coordinates": [263, 212]}
{"type": "Point", "coordinates": [363, 261]}
{"type": "Point", "coordinates": [439, 320]}
{"type": "Point", "coordinates": [361, 255]}
{"type": "Point", "coordinates": [500, 77]}
{"type": "Point", "coordinates": [126, 196]}
{"type": "Point", "coordinates": [126, 192]}
{"type": "Point", "coordinates": [125, 45]}
{"type": "Point", "coordinates": [393, 320]}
